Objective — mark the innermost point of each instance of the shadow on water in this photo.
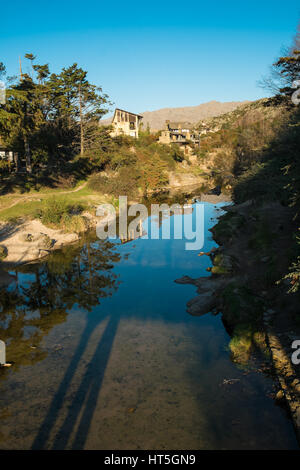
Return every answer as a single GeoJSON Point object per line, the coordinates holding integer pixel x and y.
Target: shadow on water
{"type": "Point", "coordinates": [87, 393]}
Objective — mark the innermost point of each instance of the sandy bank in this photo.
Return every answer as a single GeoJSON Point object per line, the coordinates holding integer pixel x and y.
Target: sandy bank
{"type": "Point", "coordinates": [31, 240]}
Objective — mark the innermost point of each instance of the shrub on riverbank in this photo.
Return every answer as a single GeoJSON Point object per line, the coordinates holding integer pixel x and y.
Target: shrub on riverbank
{"type": "Point", "coordinates": [257, 148]}
{"type": "Point", "coordinates": [74, 223]}
{"type": "Point", "coordinates": [123, 183]}
{"type": "Point", "coordinates": [246, 339]}
{"type": "Point", "coordinates": [148, 174]}
{"type": "Point", "coordinates": [58, 212]}
{"type": "Point", "coordinates": [240, 344]}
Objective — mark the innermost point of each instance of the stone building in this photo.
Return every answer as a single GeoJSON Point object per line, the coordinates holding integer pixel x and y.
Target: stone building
{"type": "Point", "coordinates": [179, 133]}
{"type": "Point", "coordinates": [126, 123]}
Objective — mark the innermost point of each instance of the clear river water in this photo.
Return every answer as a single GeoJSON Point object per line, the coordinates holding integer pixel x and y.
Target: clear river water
{"type": "Point", "coordinates": [105, 356]}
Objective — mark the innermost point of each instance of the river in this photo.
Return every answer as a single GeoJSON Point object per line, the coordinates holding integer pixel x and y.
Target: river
{"type": "Point", "coordinates": [106, 357]}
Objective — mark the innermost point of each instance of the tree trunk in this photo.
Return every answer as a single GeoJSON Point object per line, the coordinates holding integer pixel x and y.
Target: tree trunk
{"type": "Point", "coordinates": [81, 123]}
{"type": "Point", "coordinates": [27, 156]}
{"type": "Point", "coordinates": [16, 160]}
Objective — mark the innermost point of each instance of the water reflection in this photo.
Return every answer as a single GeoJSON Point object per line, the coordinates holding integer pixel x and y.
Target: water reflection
{"type": "Point", "coordinates": [42, 294]}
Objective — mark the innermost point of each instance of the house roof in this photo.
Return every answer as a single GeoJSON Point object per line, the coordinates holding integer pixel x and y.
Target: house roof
{"type": "Point", "coordinates": [129, 112]}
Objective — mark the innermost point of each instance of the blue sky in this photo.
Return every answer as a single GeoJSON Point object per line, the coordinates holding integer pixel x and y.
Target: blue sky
{"type": "Point", "coordinates": [150, 55]}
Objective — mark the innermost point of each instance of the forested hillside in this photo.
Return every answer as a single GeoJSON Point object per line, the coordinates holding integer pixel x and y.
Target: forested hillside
{"type": "Point", "coordinates": [254, 152]}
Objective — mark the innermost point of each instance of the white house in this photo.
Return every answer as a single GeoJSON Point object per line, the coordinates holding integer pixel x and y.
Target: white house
{"type": "Point", "coordinates": [126, 123]}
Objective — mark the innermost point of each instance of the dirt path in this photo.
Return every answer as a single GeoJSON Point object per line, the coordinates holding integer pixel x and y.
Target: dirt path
{"type": "Point", "coordinates": [37, 196]}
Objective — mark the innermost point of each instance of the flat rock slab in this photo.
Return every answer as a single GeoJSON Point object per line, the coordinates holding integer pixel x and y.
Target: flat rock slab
{"type": "Point", "coordinates": [21, 251]}
{"type": "Point", "coordinates": [185, 280]}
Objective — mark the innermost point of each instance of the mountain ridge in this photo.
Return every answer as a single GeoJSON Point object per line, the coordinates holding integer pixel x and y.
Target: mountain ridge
{"type": "Point", "coordinates": [193, 114]}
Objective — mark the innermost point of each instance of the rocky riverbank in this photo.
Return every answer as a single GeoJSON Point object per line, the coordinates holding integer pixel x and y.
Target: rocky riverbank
{"type": "Point", "coordinates": [30, 240]}
{"type": "Point", "coordinates": [258, 312]}
{"type": "Point", "coordinates": [27, 240]}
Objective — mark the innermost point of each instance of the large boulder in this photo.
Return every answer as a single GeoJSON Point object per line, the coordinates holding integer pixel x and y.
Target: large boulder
{"type": "Point", "coordinates": [201, 304]}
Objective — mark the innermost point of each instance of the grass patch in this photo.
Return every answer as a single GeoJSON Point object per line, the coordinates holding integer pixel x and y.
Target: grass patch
{"type": "Point", "coordinates": [25, 209]}
{"type": "Point", "coordinates": [31, 207]}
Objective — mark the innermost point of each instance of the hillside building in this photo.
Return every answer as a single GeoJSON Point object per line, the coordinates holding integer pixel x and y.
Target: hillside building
{"type": "Point", "coordinates": [179, 133]}
{"type": "Point", "coordinates": [126, 123]}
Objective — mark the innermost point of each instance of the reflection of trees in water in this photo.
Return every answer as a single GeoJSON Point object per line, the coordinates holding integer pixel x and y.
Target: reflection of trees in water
{"type": "Point", "coordinates": [170, 197]}
{"type": "Point", "coordinates": [80, 275]}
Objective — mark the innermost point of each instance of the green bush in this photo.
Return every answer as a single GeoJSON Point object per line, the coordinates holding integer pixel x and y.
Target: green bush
{"type": "Point", "coordinates": [121, 159]}
{"type": "Point", "coordinates": [74, 223]}
{"type": "Point", "coordinates": [240, 344]}
{"type": "Point", "coordinates": [124, 183]}
{"type": "Point", "coordinates": [54, 209]}
{"type": "Point", "coordinates": [98, 182]}
{"type": "Point", "coordinates": [4, 167]}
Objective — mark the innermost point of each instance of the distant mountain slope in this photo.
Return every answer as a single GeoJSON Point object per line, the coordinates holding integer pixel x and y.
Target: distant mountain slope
{"type": "Point", "coordinates": [193, 114]}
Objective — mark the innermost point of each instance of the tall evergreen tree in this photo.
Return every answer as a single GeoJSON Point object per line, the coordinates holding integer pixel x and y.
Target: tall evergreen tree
{"type": "Point", "coordinates": [48, 118]}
